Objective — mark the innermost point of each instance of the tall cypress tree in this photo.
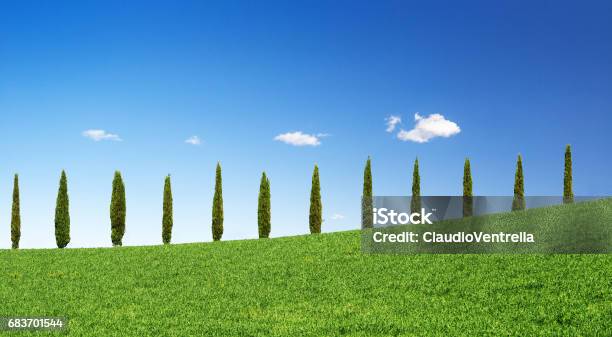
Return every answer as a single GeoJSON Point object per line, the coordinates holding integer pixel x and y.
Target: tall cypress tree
{"type": "Point", "coordinates": [568, 193]}
{"type": "Point", "coordinates": [62, 213]}
{"type": "Point", "coordinates": [468, 201]}
{"type": "Point", "coordinates": [315, 218]}
{"type": "Point", "coordinates": [217, 210]}
{"type": "Point", "coordinates": [167, 212]}
{"type": "Point", "coordinates": [15, 215]}
{"type": "Point", "coordinates": [264, 213]}
{"type": "Point", "coordinates": [366, 198]}
{"type": "Point", "coordinates": [518, 202]}
{"type": "Point", "coordinates": [415, 201]}
{"type": "Point", "coordinates": [117, 210]}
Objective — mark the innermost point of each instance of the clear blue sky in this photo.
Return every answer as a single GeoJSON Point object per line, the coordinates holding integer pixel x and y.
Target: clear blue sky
{"type": "Point", "coordinates": [514, 76]}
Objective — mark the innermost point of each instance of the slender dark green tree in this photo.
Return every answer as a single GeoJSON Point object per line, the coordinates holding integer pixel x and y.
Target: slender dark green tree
{"type": "Point", "coordinates": [415, 201]}
{"type": "Point", "coordinates": [315, 218]}
{"type": "Point", "coordinates": [167, 212]}
{"type": "Point", "coordinates": [15, 215]}
{"type": "Point", "coordinates": [468, 200]}
{"type": "Point", "coordinates": [62, 213]}
{"type": "Point", "coordinates": [367, 198]}
{"type": "Point", "coordinates": [518, 202]}
{"type": "Point", "coordinates": [217, 210]}
{"type": "Point", "coordinates": [117, 210]}
{"type": "Point", "coordinates": [568, 193]}
{"type": "Point", "coordinates": [264, 212]}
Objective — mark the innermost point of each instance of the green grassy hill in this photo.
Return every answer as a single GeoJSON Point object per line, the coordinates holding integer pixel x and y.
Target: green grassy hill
{"type": "Point", "coordinates": [319, 285]}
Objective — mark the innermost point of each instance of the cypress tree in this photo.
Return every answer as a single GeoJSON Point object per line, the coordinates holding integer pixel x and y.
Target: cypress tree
{"type": "Point", "coordinates": [217, 210]}
{"type": "Point", "coordinates": [415, 201]}
{"type": "Point", "coordinates": [264, 212]}
{"type": "Point", "coordinates": [316, 208]}
{"type": "Point", "coordinates": [117, 210]}
{"type": "Point", "coordinates": [62, 214]}
{"type": "Point", "coordinates": [15, 215]}
{"type": "Point", "coordinates": [468, 207]}
{"type": "Point", "coordinates": [568, 193]}
{"type": "Point", "coordinates": [366, 198]}
{"type": "Point", "coordinates": [167, 212]}
{"type": "Point", "coordinates": [518, 202]}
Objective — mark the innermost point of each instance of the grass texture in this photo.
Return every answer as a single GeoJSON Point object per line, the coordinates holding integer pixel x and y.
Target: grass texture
{"type": "Point", "coordinates": [315, 285]}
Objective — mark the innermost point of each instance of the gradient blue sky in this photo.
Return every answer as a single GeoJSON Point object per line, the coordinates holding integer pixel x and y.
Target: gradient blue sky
{"type": "Point", "coordinates": [516, 76]}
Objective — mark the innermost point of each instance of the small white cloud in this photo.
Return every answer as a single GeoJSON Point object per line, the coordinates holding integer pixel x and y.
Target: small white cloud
{"type": "Point", "coordinates": [337, 216]}
{"type": "Point", "coordinates": [426, 128]}
{"type": "Point", "coordinates": [98, 135]}
{"type": "Point", "coordinates": [298, 138]}
{"type": "Point", "coordinates": [392, 121]}
{"type": "Point", "coordinates": [193, 140]}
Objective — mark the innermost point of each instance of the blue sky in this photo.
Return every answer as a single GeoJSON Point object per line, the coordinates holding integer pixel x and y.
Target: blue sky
{"type": "Point", "coordinates": [514, 76]}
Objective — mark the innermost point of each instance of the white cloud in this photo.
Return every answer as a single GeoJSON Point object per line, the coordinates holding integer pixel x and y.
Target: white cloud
{"type": "Point", "coordinates": [298, 138]}
{"type": "Point", "coordinates": [98, 135]}
{"type": "Point", "coordinates": [426, 128]}
{"type": "Point", "coordinates": [193, 140]}
{"type": "Point", "coordinates": [337, 216]}
{"type": "Point", "coordinates": [392, 121]}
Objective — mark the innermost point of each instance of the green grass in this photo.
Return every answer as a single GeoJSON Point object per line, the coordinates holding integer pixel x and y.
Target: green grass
{"type": "Point", "coordinates": [320, 285]}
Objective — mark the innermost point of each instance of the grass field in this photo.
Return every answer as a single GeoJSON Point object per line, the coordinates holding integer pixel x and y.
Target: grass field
{"type": "Point", "coordinates": [319, 285]}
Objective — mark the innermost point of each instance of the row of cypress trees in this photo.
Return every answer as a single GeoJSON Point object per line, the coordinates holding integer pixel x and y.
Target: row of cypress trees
{"type": "Point", "coordinates": [518, 201]}
{"type": "Point", "coordinates": [118, 202]}
{"type": "Point", "coordinates": [118, 210]}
